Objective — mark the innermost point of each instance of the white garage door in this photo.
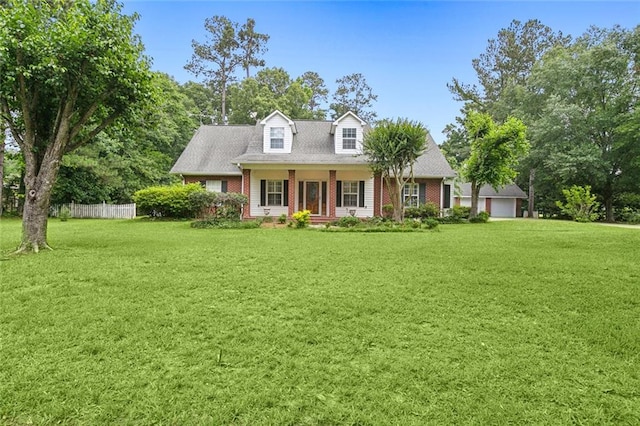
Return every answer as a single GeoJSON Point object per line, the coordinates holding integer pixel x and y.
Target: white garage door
{"type": "Point", "coordinates": [503, 207]}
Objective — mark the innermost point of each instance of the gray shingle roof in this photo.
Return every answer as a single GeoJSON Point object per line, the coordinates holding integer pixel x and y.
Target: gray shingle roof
{"type": "Point", "coordinates": [509, 191]}
{"type": "Point", "coordinates": [211, 149]}
{"type": "Point", "coordinates": [217, 150]}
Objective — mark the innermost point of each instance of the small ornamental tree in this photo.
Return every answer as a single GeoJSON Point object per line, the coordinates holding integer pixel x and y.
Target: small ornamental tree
{"type": "Point", "coordinates": [392, 148]}
{"type": "Point", "coordinates": [581, 205]}
{"type": "Point", "coordinates": [495, 151]}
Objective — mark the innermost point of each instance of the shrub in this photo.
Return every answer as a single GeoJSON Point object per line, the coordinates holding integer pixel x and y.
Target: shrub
{"type": "Point", "coordinates": [581, 205]}
{"type": "Point", "coordinates": [430, 223]}
{"type": "Point", "coordinates": [348, 222]}
{"type": "Point", "coordinates": [202, 202]}
{"type": "Point", "coordinates": [168, 201]}
{"type": "Point", "coordinates": [64, 214]}
{"type": "Point", "coordinates": [282, 219]}
{"type": "Point", "coordinates": [301, 219]}
{"type": "Point", "coordinates": [460, 212]}
{"type": "Point", "coordinates": [225, 224]}
{"type": "Point", "coordinates": [482, 217]}
{"type": "Point", "coordinates": [387, 211]}
{"type": "Point", "coordinates": [428, 209]}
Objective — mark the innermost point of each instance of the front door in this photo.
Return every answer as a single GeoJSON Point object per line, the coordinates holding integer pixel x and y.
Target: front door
{"type": "Point", "coordinates": [312, 197]}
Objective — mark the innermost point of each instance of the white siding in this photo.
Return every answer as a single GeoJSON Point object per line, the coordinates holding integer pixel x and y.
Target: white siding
{"type": "Point", "coordinates": [482, 204]}
{"type": "Point", "coordinates": [348, 122]}
{"type": "Point", "coordinates": [277, 121]}
{"type": "Point", "coordinates": [256, 209]}
{"type": "Point", "coordinates": [367, 210]}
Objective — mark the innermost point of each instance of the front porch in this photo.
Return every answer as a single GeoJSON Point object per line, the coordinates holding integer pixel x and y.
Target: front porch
{"type": "Point", "coordinates": [327, 194]}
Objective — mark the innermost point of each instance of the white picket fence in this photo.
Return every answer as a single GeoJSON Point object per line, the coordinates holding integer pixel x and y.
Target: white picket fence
{"type": "Point", "coordinates": [97, 211]}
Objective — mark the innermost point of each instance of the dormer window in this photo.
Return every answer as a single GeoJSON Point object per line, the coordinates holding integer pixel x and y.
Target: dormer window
{"type": "Point", "coordinates": [277, 137]}
{"type": "Point", "coordinates": [349, 138]}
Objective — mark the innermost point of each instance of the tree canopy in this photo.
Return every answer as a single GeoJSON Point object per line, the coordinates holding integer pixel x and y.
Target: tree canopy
{"type": "Point", "coordinates": [355, 95]}
{"type": "Point", "coordinates": [392, 147]}
{"type": "Point", "coordinates": [68, 71]}
{"type": "Point", "coordinates": [495, 151]}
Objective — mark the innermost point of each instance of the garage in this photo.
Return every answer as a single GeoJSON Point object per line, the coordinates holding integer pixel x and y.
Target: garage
{"type": "Point", "coordinates": [503, 207]}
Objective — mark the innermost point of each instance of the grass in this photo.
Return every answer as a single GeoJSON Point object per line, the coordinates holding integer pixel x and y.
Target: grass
{"type": "Point", "coordinates": [132, 322]}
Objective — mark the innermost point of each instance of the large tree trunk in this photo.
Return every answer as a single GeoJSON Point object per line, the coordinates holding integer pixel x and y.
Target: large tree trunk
{"type": "Point", "coordinates": [40, 175]}
{"type": "Point", "coordinates": [34, 221]}
{"type": "Point", "coordinates": [475, 194]}
{"type": "Point", "coordinates": [532, 176]}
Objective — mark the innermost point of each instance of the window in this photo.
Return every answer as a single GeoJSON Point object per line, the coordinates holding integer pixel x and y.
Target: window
{"type": "Point", "coordinates": [277, 137]}
{"type": "Point", "coordinates": [274, 193]}
{"type": "Point", "coordinates": [410, 195]}
{"type": "Point", "coordinates": [350, 193]}
{"type": "Point", "coordinates": [214, 186]}
{"type": "Point", "coordinates": [349, 138]}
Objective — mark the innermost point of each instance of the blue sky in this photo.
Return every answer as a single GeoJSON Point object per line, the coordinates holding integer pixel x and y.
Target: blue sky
{"type": "Point", "coordinates": [407, 50]}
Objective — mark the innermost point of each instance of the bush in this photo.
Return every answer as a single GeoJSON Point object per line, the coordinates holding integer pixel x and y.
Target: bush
{"type": "Point", "coordinates": [168, 201]}
{"type": "Point", "coordinates": [460, 212]}
{"type": "Point", "coordinates": [387, 211]}
{"type": "Point", "coordinates": [348, 222]}
{"type": "Point", "coordinates": [282, 219]}
{"type": "Point", "coordinates": [225, 224]}
{"type": "Point", "coordinates": [64, 214]}
{"type": "Point", "coordinates": [430, 223]}
{"type": "Point", "coordinates": [301, 219]}
{"type": "Point", "coordinates": [581, 205]}
{"type": "Point", "coordinates": [427, 210]}
{"type": "Point", "coordinates": [482, 217]}
{"type": "Point", "coordinates": [202, 202]}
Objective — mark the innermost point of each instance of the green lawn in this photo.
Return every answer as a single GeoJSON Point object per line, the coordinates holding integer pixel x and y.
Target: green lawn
{"type": "Point", "coordinates": [131, 322]}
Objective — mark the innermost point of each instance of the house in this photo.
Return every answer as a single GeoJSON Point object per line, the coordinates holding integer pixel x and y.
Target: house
{"type": "Point", "coordinates": [284, 165]}
{"type": "Point", "coordinates": [507, 202]}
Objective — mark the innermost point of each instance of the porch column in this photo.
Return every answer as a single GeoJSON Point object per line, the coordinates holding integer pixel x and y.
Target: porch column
{"type": "Point", "coordinates": [292, 192]}
{"type": "Point", "coordinates": [377, 194]}
{"type": "Point", "coordinates": [246, 190]}
{"type": "Point", "coordinates": [332, 194]}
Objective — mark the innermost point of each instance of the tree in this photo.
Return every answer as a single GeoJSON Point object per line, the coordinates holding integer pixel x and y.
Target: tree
{"type": "Point", "coordinates": [582, 106]}
{"type": "Point", "coordinates": [580, 204]}
{"type": "Point", "coordinates": [495, 151]}
{"type": "Point", "coordinates": [206, 104]}
{"type": "Point", "coordinates": [124, 159]}
{"type": "Point", "coordinates": [271, 89]}
{"type": "Point", "coordinates": [222, 50]}
{"type": "Point", "coordinates": [252, 45]}
{"type": "Point", "coordinates": [502, 71]}
{"type": "Point", "coordinates": [319, 93]}
{"type": "Point", "coordinates": [506, 62]}
{"type": "Point", "coordinates": [354, 94]}
{"type": "Point", "coordinates": [68, 71]}
{"type": "Point", "coordinates": [392, 148]}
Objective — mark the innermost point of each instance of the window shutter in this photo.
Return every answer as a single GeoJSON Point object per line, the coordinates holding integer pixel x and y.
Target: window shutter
{"type": "Point", "coordinates": [223, 186]}
{"type": "Point", "coordinates": [324, 192]}
{"type": "Point", "coordinates": [263, 192]}
{"type": "Point", "coordinates": [285, 193]}
{"type": "Point", "coordinates": [422, 193]}
{"type": "Point", "coordinates": [339, 193]}
{"type": "Point", "coordinates": [361, 194]}
{"type": "Point", "coordinates": [447, 197]}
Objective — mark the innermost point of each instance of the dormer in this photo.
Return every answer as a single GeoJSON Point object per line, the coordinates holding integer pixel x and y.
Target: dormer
{"type": "Point", "coordinates": [277, 133]}
{"type": "Point", "coordinates": [348, 132]}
